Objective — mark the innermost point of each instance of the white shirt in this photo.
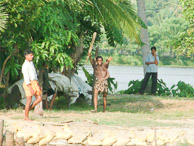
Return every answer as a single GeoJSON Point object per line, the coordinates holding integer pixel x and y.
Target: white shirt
{"type": "Point", "coordinates": [29, 72]}
{"type": "Point", "coordinates": [152, 68]}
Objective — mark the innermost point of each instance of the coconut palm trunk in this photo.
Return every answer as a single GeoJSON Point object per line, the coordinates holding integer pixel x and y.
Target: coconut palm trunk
{"type": "Point", "coordinates": [144, 32]}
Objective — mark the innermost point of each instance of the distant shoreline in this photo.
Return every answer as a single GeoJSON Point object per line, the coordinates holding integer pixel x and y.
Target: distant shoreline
{"type": "Point", "coordinates": [175, 66]}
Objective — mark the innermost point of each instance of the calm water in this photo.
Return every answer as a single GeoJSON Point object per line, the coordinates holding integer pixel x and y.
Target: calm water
{"type": "Point", "coordinates": [124, 74]}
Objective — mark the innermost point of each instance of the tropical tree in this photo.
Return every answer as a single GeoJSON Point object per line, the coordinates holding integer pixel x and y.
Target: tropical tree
{"type": "Point", "coordinates": [3, 20]}
{"type": "Point", "coordinates": [60, 31]}
{"type": "Point", "coordinates": [144, 31]}
{"type": "Point", "coordinates": [184, 43]}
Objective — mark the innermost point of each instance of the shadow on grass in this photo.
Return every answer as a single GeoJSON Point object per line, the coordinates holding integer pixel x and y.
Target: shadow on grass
{"type": "Point", "coordinates": [134, 104]}
{"type": "Point", "coordinates": [116, 103]}
{"type": "Point", "coordinates": [61, 103]}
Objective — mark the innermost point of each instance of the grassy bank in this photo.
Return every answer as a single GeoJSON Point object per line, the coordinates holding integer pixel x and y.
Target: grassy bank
{"type": "Point", "coordinates": [122, 110]}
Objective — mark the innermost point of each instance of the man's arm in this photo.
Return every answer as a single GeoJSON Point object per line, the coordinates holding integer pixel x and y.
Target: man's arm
{"type": "Point", "coordinates": [156, 59]}
{"type": "Point", "coordinates": [148, 63]}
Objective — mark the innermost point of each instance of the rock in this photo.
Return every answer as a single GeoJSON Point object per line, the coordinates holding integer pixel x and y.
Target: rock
{"type": "Point", "coordinates": [36, 137]}
{"type": "Point", "coordinates": [79, 138]}
{"type": "Point", "coordinates": [121, 142]}
{"type": "Point", "coordinates": [49, 136]}
{"type": "Point", "coordinates": [60, 142]}
{"type": "Point", "coordinates": [137, 142]}
{"type": "Point", "coordinates": [63, 135]}
{"type": "Point", "coordinates": [94, 142]}
{"type": "Point", "coordinates": [108, 141]}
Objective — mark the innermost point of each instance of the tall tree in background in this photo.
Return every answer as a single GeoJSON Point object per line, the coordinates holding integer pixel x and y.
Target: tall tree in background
{"type": "Point", "coordinates": [144, 32]}
{"type": "Point", "coordinates": [184, 43]}
{"type": "Point", "coordinates": [3, 20]}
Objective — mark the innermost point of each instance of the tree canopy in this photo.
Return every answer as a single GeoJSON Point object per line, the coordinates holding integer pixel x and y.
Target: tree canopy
{"type": "Point", "coordinates": [59, 31]}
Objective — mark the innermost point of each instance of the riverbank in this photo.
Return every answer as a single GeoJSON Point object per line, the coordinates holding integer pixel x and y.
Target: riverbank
{"type": "Point", "coordinates": [135, 60]}
{"type": "Point", "coordinates": [135, 113]}
{"type": "Point", "coordinates": [122, 110]}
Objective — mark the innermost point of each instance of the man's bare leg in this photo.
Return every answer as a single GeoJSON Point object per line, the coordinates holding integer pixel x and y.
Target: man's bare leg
{"type": "Point", "coordinates": [105, 100]}
{"type": "Point", "coordinates": [95, 99]}
{"type": "Point", "coordinates": [27, 108]}
{"type": "Point", "coordinates": [52, 101]}
{"type": "Point", "coordinates": [38, 100]}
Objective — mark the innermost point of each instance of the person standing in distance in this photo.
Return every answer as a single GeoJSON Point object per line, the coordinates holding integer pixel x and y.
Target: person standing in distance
{"type": "Point", "coordinates": [30, 84]}
{"type": "Point", "coordinates": [152, 61]}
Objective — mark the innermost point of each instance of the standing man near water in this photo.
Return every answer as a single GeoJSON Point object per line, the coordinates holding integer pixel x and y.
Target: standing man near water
{"type": "Point", "coordinates": [152, 61]}
{"type": "Point", "coordinates": [30, 84]}
{"type": "Point", "coordinates": [101, 83]}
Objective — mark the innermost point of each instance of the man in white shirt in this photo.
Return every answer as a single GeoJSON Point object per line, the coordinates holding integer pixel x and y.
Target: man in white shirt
{"type": "Point", "coordinates": [30, 84]}
{"type": "Point", "coordinates": [151, 70]}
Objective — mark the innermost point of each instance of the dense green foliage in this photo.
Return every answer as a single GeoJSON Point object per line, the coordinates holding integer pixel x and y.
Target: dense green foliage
{"type": "Point", "coordinates": [166, 25]}
{"type": "Point", "coordinates": [184, 43]}
{"type": "Point", "coordinates": [3, 18]}
{"type": "Point", "coordinates": [60, 31]}
{"type": "Point", "coordinates": [181, 89]}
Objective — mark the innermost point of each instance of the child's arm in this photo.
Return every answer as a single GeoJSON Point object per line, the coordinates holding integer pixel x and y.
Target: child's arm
{"type": "Point", "coordinates": [107, 75]}
{"type": "Point", "coordinates": [107, 62]}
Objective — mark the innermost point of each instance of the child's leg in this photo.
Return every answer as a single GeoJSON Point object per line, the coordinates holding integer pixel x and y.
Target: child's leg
{"type": "Point", "coordinates": [105, 100]}
{"type": "Point", "coordinates": [95, 99]}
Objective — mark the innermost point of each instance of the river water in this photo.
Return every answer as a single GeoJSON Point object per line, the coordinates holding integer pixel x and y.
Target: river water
{"type": "Point", "coordinates": [124, 74]}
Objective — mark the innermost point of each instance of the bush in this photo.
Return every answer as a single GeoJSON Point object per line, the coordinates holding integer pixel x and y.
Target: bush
{"type": "Point", "coordinates": [181, 89]}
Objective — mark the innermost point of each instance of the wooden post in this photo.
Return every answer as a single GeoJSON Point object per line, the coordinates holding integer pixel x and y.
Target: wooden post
{"type": "Point", "coordinates": [9, 139]}
{"type": "Point", "coordinates": [91, 45]}
{"type": "Point", "coordinates": [94, 78]}
{"type": "Point", "coordinates": [19, 141]}
{"type": "Point", "coordinates": [1, 131]}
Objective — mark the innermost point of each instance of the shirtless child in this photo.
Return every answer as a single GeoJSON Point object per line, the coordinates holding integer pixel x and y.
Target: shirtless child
{"type": "Point", "coordinates": [102, 75]}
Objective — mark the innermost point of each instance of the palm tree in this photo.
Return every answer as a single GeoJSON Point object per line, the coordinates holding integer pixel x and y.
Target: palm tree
{"type": "Point", "coordinates": [116, 16]}
{"type": "Point", "coordinates": [3, 19]}
{"type": "Point", "coordinates": [144, 32]}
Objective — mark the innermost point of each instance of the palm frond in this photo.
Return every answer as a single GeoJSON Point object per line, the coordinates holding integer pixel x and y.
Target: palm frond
{"type": "Point", "coordinates": [117, 14]}
{"type": "Point", "coordinates": [3, 19]}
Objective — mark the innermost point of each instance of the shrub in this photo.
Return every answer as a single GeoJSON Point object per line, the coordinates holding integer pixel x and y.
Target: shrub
{"type": "Point", "coordinates": [181, 89]}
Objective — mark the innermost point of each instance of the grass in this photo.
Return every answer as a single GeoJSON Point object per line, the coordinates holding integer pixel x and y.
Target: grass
{"type": "Point", "coordinates": [122, 110]}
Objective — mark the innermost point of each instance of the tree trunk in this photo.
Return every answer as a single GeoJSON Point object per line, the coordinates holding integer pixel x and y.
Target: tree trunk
{"type": "Point", "coordinates": [1, 131]}
{"type": "Point", "coordinates": [94, 78]}
{"type": "Point", "coordinates": [3, 68]}
{"type": "Point", "coordinates": [9, 139]}
{"type": "Point", "coordinates": [6, 87]}
{"type": "Point", "coordinates": [144, 32]}
{"type": "Point", "coordinates": [76, 58]}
